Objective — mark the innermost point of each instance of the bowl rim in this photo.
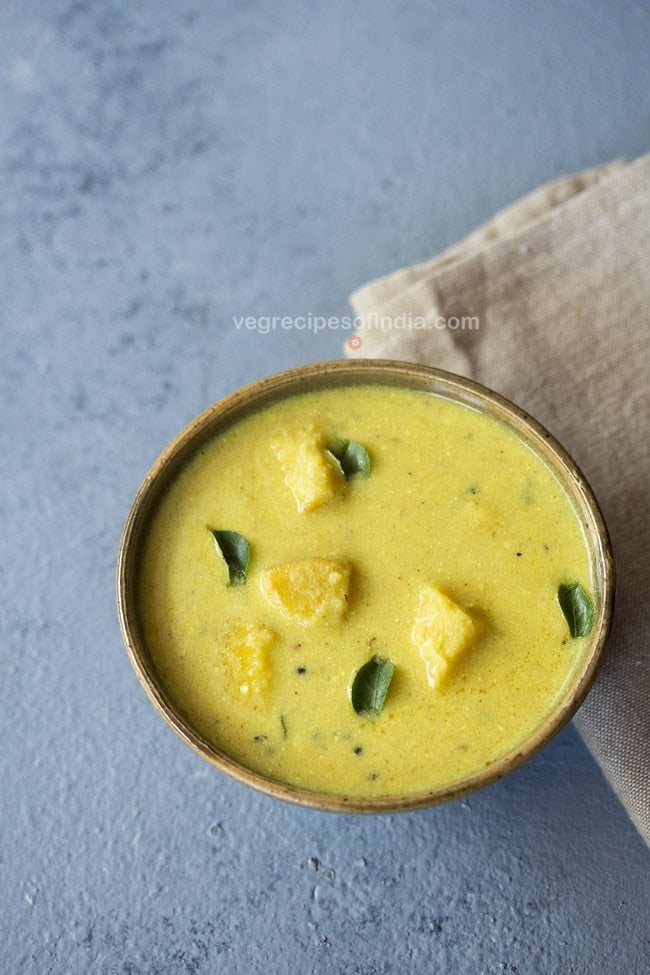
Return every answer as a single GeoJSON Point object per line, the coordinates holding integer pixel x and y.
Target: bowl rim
{"type": "Point", "coordinates": [330, 374]}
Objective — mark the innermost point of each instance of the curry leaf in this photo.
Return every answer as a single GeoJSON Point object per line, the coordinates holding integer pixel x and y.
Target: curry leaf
{"type": "Point", "coordinates": [370, 686]}
{"type": "Point", "coordinates": [353, 458]}
{"type": "Point", "coordinates": [236, 553]}
{"type": "Point", "coordinates": [577, 607]}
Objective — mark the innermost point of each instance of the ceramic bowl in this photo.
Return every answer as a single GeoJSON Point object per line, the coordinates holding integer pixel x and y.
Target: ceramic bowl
{"type": "Point", "coordinates": [325, 375]}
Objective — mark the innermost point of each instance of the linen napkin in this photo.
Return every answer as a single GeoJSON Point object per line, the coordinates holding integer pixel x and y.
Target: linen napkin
{"type": "Point", "coordinates": [560, 285]}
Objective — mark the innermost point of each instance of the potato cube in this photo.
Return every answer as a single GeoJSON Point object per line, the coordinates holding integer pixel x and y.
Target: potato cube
{"type": "Point", "coordinates": [311, 472]}
{"type": "Point", "coordinates": [247, 648]}
{"type": "Point", "coordinates": [442, 632]}
{"type": "Point", "coordinates": [308, 590]}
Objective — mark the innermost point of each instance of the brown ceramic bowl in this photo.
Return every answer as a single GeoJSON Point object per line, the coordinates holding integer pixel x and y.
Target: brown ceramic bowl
{"type": "Point", "coordinates": [326, 375]}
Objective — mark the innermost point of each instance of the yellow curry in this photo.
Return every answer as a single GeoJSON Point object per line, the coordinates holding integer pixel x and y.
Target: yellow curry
{"type": "Point", "coordinates": [355, 591]}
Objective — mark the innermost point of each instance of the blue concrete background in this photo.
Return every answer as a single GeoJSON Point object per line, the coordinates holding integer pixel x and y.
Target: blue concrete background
{"type": "Point", "coordinates": [165, 166]}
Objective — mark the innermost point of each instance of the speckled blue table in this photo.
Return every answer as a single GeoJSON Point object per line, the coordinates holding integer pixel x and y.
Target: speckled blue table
{"type": "Point", "coordinates": [166, 166]}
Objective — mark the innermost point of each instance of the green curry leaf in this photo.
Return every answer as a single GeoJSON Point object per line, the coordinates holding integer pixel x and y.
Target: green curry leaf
{"type": "Point", "coordinates": [236, 553]}
{"type": "Point", "coordinates": [577, 607]}
{"type": "Point", "coordinates": [353, 458]}
{"type": "Point", "coordinates": [370, 686]}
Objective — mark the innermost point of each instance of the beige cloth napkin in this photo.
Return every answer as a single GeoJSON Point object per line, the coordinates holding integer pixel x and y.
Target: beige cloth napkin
{"type": "Point", "coordinates": [560, 283]}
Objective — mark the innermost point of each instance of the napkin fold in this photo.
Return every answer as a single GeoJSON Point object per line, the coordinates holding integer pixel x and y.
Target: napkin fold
{"type": "Point", "coordinates": [555, 293]}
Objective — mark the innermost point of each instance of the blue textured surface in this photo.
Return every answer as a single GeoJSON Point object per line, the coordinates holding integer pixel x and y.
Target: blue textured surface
{"type": "Point", "coordinates": [165, 166]}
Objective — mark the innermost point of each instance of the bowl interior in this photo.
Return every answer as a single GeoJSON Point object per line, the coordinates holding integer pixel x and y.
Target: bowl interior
{"type": "Point", "coordinates": [328, 375]}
